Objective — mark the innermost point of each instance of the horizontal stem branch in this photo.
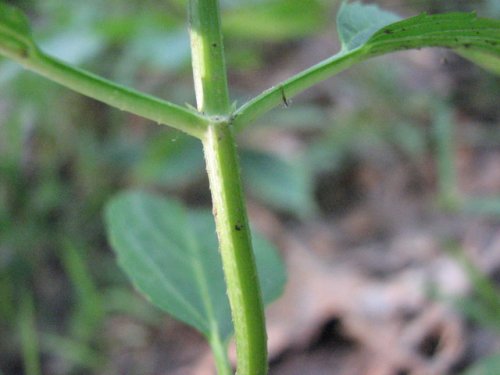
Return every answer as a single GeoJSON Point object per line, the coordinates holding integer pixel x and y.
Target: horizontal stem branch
{"type": "Point", "coordinates": [125, 99]}
{"type": "Point", "coordinates": [281, 93]}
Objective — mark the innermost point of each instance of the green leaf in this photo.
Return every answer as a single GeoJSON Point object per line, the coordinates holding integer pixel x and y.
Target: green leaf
{"type": "Point", "coordinates": [376, 32]}
{"type": "Point", "coordinates": [460, 31]}
{"type": "Point", "coordinates": [357, 22]}
{"type": "Point", "coordinates": [283, 185]}
{"type": "Point", "coordinates": [15, 33]}
{"type": "Point", "coordinates": [171, 256]}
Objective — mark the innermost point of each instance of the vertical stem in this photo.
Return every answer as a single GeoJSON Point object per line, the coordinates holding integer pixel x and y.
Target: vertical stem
{"type": "Point", "coordinates": [225, 183]}
{"type": "Point", "coordinates": [236, 249]}
{"type": "Point", "coordinates": [207, 49]}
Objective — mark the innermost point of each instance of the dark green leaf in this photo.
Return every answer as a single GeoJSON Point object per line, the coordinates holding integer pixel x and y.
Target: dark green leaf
{"type": "Point", "coordinates": [171, 256]}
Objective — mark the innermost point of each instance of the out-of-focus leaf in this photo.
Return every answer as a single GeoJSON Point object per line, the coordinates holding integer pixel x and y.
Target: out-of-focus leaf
{"type": "Point", "coordinates": [493, 8]}
{"type": "Point", "coordinates": [300, 117]}
{"type": "Point", "coordinates": [171, 160]}
{"type": "Point", "coordinates": [74, 46]}
{"type": "Point", "coordinates": [13, 22]}
{"type": "Point", "coordinates": [483, 206]}
{"type": "Point", "coordinates": [409, 138]}
{"type": "Point", "coordinates": [15, 33]}
{"type": "Point", "coordinates": [72, 351]}
{"type": "Point", "coordinates": [275, 20]}
{"type": "Point", "coordinates": [89, 310]}
{"type": "Point", "coordinates": [485, 60]}
{"type": "Point", "coordinates": [486, 366]}
{"type": "Point", "coordinates": [285, 186]}
{"type": "Point", "coordinates": [445, 149]}
{"type": "Point", "coordinates": [235, 4]}
{"type": "Point", "coordinates": [171, 256]}
{"type": "Point", "coordinates": [484, 305]}
{"type": "Point", "coordinates": [160, 49]}
{"type": "Point", "coordinates": [346, 136]}
{"type": "Point", "coordinates": [29, 336]}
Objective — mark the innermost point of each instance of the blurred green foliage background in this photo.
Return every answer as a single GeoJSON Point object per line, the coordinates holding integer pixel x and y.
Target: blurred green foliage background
{"type": "Point", "coordinates": [63, 155]}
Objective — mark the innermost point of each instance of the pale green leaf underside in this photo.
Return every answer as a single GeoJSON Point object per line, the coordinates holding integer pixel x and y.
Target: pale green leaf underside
{"type": "Point", "coordinates": [171, 256]}
{"type": "Point", "coordinates": [357, 22]}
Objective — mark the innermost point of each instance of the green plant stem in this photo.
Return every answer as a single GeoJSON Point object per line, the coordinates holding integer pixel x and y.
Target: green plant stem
{"type": "Point", "coordinates": [149, 107]}
{"type": "Point", "coordinates": [225, 184]}
{"type": "Point", "coordinates": [281, 93]}
{"type": "Point", "coordinates": [236, 249]}
{"type": "Point", "coordinates": [209, 67]}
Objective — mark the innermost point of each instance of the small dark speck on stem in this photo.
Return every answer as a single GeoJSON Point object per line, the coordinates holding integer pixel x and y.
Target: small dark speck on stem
{"type": "Point", "coordinates": [388, 31]}
{"type": "Point", "coordinates": [238, 227]}
{"type": "Point", "coordinates": [214, 45]}
{"type": "Point", "coordinates": [286, 103]}
{"type": "Point", "coordinates": [467, 45]}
